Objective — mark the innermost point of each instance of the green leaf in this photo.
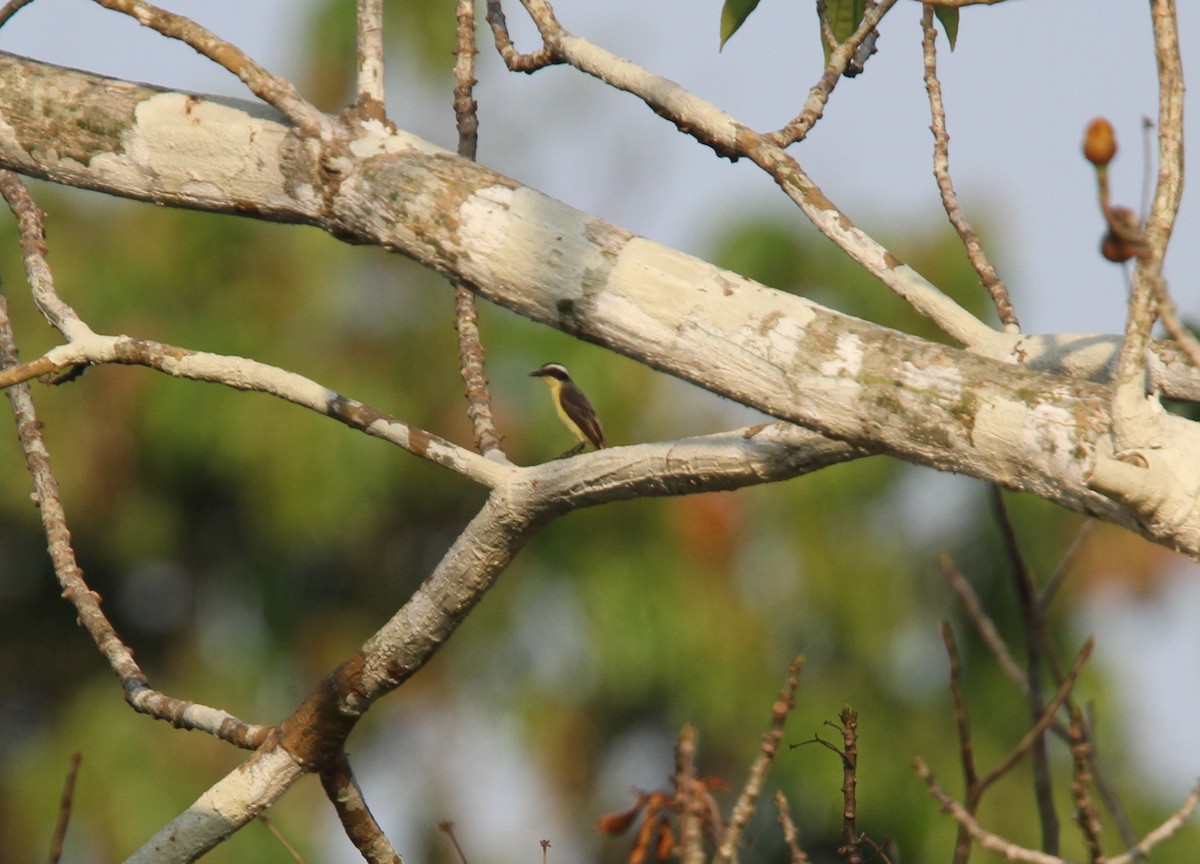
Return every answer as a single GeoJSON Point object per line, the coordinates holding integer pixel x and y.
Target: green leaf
{"type": "Point", "coordinates": [845, 16]}
{"type": "Point", "coordinates": [733, 14]}
{"type": "Point", "coordinates": [948, 15]}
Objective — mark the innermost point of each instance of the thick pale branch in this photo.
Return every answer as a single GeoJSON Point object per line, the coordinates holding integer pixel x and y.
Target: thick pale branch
{"type": "Point", "coordinates": [846, 378]}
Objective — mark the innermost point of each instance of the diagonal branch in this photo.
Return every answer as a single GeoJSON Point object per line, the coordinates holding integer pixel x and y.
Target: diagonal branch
{"type": "Point", "coordinates": [272, 89]}
{"type": "Point", "coordinates": [941, 170]}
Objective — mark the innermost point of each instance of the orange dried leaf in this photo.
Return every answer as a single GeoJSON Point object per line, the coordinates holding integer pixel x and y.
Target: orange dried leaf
{"type": "Point", "coordinates": [618, 823]}
{"type": "Point", "coordinates": [666, 841]}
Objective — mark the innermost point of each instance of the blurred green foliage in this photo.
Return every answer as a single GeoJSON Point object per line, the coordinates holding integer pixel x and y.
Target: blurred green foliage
{"type": "Point", "coordinates": [244, 546]}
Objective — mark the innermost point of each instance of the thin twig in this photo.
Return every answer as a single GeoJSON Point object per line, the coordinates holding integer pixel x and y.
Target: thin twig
{"type": "Point", "coordinates": [471, 355]}
{"type": "Point", "coordinates": [370, 101]}
{"type": "Point", "coordinates": [985, 839]}
{"type": "Point", "coordinates": [31, 232]}
{"type": "Point", "coordinates": [342, 790]}
{"type": "Point", "coordinates": [514, 59]}
{"type": "Point", "coordinates": [1106, 787]}
{"type": "Point", "coordinates": [447, 828]}
{"type": "Point", "coordinates": [984, 626]}
{"type": "Point", "coordinates": [1046, 597]}
{"type": "Point", "coordinates": [1174, 325]}
{"type": "Point", "coordinates": [992, 282]}
{"type": "Point", "coordinates": [850, 850]}
{"type": "Point", "coordinates": [691, 841]}
{"type": "Point", "coordinates": [272, 89]}
{"type": "Point", "coordinates": [66, 802]}
{"type": "Point", "coordinates": [242, 373]}
{"type": "Point", "coordinates": [1031, 616]}
{"type": "Point", "coordinates": [1164, 831]}
{"type": "Point", "coordinates": [11, 8]}
{"type": "Point", "coordinates": [1132, 416]}
{"type": "Point", "coordinates": [1043, 722]}
{"type": "Point", "coordinates": [1085, 814]}
{"type": "Point", "coordinates": [790, 832]}
{"type": "Point", "coordinates": [840, 58]}
{"type": "Point", "coordinates": [962, 843]}
{"type": "Point", "coordinates": [283, 841]}
{"type": "Point", "coordinates": [743, 809]}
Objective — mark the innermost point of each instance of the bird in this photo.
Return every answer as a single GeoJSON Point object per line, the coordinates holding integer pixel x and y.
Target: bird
{"type": "Point", "coordinates": [574, 409]}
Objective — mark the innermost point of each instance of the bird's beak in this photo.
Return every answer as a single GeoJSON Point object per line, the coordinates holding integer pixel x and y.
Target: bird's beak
{"type": "Point", "coordinates": [536, 373]}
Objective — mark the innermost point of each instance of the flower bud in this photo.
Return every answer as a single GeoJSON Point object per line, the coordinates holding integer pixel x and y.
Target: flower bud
{"type": "Point", "coordinates": [1099, 142]}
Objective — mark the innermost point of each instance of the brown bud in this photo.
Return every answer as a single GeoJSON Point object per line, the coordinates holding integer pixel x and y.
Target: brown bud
{"type": "Point", "coordinates": [1099, 142]}
{"type": "Point", "coordinates": [1124, 239]}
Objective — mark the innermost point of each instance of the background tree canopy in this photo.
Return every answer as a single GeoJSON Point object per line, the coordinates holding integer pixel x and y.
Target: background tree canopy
{"type": "Point", "coordinates": [244, 547]}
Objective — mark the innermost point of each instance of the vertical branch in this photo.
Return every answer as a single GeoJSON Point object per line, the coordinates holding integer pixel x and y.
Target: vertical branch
{"type": "Point", "coordinates": [64, 810]}
{"type": "Point", "coordinates": [790, 832]}
{"type": "Point", "coordinates": [1031, 615]}
{"type": "Point", "coordinates": [1085, 813]}
{"type": "Point", "coordinates": [32, 238]}
{"type": "Point", "coordinates": [941, 170]}
{"type": "Point", "coordinates": [466, 317]}
{"type": "Point", "coordinates": [690, 840]}
{"type": "Point", "coordinates": [849, 850]}
{"type": "Point", "coordinates": [370, 100]}
{"type": "Point", "coordinates": [1131, 413]}
{"type": "Point", "coordinates": [744, 808]}
{"type": "Point", "coordinates": [962, 843]}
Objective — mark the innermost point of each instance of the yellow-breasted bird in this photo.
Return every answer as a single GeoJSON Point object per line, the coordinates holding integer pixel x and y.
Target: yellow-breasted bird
{"type": "Point", "coordinates": [574, 409]}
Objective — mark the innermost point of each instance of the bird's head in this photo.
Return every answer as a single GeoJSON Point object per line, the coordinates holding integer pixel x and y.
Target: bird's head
{"type": "Point", "coordinates": [556, 371]}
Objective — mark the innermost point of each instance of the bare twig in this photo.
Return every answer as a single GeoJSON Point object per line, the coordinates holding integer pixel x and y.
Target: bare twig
{"type": "Point", "coordinates": [986, 839]}
{"type": "Point", "coordinates": [941, 171]}
{"type": "Point", "coordinates": [66, 802]}
{"type": "Point", "coordinates": [1132, 416]}
{"type": "Point", "coordinates": [1085, 814]}
{"type": "Point", "coordinates": [11, 8]}
{"type": "Point", "coordinates": [1106, 788]}
{"type": "Point", "coordinates": [1174, 324]}
{"type": "Point", "coordinates": [743, 809]}
{"type": "Point", "coordinates": [466, 318]}
{"type": "Point", "coordinates": [447, 828]}
{"type": "Point", "coordinates": [32, 233]}
{"type": "Point", "coordinates": [1163, 832]}
{"type": "Point", "coordinates": [272, 89]}
{"type": "Point", "coordinates": [1042, 722]}
{"type": "Point", "coordinates": [984, 625]}
{"type": "Point", "coordinates": [283, 841]}
{"type": "Point", "coordinates": [691, 841]}
{"type": "Point", "coordinates": [370, 102]}
{"type": "Point", "coordinates": [850, 850]}
{"type": "Point", "coordinates": [360, 826]}
{"type": "Point", "coordinates": [840, 57]}
{"type": "Point", "coordinates": [514, 59]}
{"type": "Point", "coordinates": [962, 843]}
{"type": "Point", "coordinates": [1031, 616]}
{"type": "Point", "coordinates": [242, 373]}
{"type": "Point", "coordinates": [790, 832]}
{"type": "Point", "coordinates": [1046, 597]}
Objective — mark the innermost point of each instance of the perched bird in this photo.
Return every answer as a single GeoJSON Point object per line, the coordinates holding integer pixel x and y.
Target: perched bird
{"type": "Point", "coordinates": [574, 409]}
